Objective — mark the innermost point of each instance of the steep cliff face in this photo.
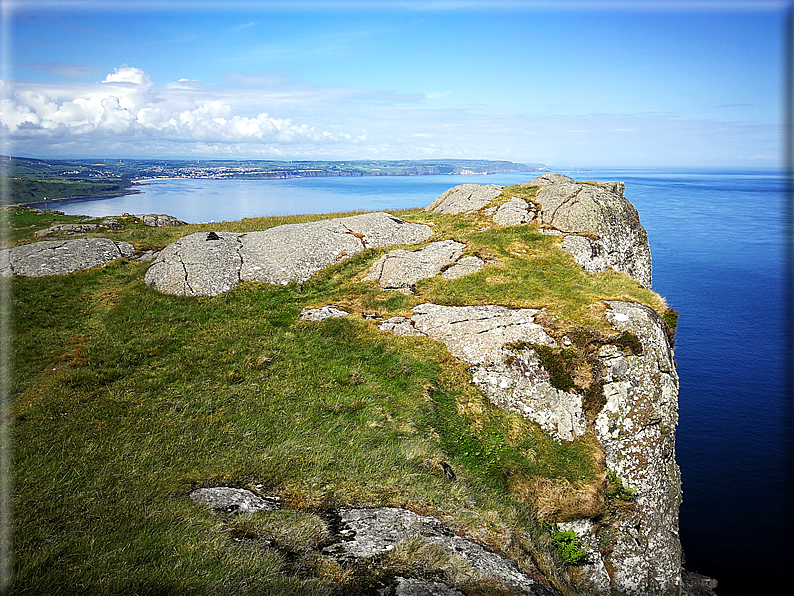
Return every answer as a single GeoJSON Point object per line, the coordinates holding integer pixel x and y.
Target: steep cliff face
{"type": "Point", "coordinates": [636, 427]}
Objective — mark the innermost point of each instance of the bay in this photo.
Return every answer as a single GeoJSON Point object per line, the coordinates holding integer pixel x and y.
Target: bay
{"type": "Point", "coordinates": [716, 238]}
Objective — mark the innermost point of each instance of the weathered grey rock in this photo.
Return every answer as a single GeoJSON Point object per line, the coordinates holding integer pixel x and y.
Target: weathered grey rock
{"type": "Point", "coordinates": [322, 313]}
{"type": "Point", "coordinates": [513, 213]}
{"type": "Point", "coordinates": [378, 531]}
{"type": "Point", "coordinates": [546, 179]}
{"type": "Point", "coordinates": [610, 222]}
{"type": "Point", "coordinates": [66, 229]}
{"type": "Point", "coordinates": [56, 257]}
{"type": "Point", "coordinates": [696, 584]}
{"type": "Point", "coordinates": [200, 264]}
{"type": "Point", "coordinates": [593, 568]}
{"type": "Point", "coordinates": [160, 221]}
{"type": "Point", "coordinates": [465, 198]}
{"type": "Point", "coordinates": [520, 384]}
{"type": "Point", "coordinates": [420, 587]}
{"type": "Point", "coordinates": [636, 428]}
{"type": "Point", "coordinates": [590, 254]}
{"type": "Point", "coordinates": [400, 269]}
{"type": "Point", "coordinates": [196, 266]}
{"type": "Point", "coordinates": [477, 334]}
{"type": "Point", "coordinates": [232, 500]}
{"type": "Point", "coordinates": [513, 380]}
{"type": "Point", "coordinates": [464, 266]}
{"type": "Point", "coordinates": [400, 326]}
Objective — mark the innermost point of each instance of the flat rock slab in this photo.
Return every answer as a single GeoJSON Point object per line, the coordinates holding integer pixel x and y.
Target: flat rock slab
{"type": "Point", "coordinates": [602, 228]}
{"type": "Point", "coordinates": [56, 257]}
{"type": "Point", "coordinates": [400, 269]}
{"type": "Point", "coordinates": [477, 334]}
{"type": "Point", "coordinates": [208, 264]}
{"type": "Point", "coordinates": [465, 198]}
{"type": "Point", "coordinates": [380, 530]}
{"type": "Point", "coordinates": [322, 313]}
{"type": "Point", "coordinates": [226, 499]}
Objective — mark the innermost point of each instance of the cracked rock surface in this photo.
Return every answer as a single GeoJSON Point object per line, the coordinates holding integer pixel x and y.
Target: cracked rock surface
{"type": "Point", "coordinates": [400, 269]}
{"type": "Point", "coordinates": [56, 257]}
{"type": "Point", "coordinates": [197, 265]}
{"type": "Point", "coordinates": [602, 228]}
{"type": "Point", "coordinates": [464, 198]}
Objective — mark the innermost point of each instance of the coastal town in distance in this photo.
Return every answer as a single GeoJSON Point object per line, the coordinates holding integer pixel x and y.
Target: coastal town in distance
{"type": "Point", "coordinates": [34, 180]}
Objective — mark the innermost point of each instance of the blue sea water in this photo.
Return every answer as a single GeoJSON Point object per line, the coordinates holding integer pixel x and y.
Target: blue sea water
{"type": "Point", "coordinates": [716, 238]}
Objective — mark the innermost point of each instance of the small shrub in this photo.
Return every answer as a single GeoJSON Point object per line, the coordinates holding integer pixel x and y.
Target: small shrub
{"type": "Point", "coordinates": [670, 318]}
{"type": "Point", "coordinates": [630, 341]}
{"type": "Point", "coordinates": [571, 552]}
{"type": "Point", "coordinates": [616, 490]}
{"type": "Point", "coordinates": [555, 361]}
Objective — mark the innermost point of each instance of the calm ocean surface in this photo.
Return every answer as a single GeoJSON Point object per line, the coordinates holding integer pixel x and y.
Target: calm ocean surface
{"type": "Point", "coordinates": [716, 240]}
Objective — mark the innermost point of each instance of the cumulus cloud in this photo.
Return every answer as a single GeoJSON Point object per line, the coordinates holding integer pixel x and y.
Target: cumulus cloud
{"type": "Point", "coordinates": [127, 104]}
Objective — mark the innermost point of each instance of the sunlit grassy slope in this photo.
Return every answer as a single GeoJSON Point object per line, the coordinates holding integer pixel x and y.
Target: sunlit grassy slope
{"type": "Point", "coordinates": [125, 399]}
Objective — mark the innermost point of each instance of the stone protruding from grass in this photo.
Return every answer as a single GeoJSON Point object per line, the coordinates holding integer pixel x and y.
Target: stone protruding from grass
{"type": "Point", "coordinates": [155, 220]}
{"type": "Point", "coordinates": [322, 313]}
{"type": "Point", "coordinates": [400, 269]}
{"type": "Point", "coordinates": [464, 198]}
{"type": "Point", "coordinates": [602, 228]}
{"type": "Point", "coordinates": [56, 257]}
{"type": "Point", "coordinates": [477, 334]}
{"type": "Point", "coordinates": [513, 213]}
{"type": "Point", "coordinates": [636, 428]}
{"type": "Point", "coordinates": [423, 542]}
{"type": "Point", "coordinates": [226, 499]}
{"type": "Point", "coordinates": [204, 264]}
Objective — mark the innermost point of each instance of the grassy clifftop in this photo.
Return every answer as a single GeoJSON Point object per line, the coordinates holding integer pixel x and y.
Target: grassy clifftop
{"type": "Point", "coordinates": [126, 399]}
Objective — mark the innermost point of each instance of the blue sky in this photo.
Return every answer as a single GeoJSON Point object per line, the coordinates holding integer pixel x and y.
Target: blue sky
{"type": "Point", "coordinates": [575, 84]}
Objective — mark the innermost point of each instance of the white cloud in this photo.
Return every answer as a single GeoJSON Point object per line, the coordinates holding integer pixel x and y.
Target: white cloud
{"type": "Point", "coordinates": [127, 104]}
{"type": "Point", "coordinates": [263, 115]}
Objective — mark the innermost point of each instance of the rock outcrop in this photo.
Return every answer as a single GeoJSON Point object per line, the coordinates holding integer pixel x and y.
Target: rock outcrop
{"type": "Point", "coordinates": [511, 379]}
{"type": "Point", "coordinates": [465, 198]}
{"type": "Point", "coordinates": [636, 427]}
{"type": "Point", "coordinates": [208, 264]}
{"type": "Point", "coordinates": [400, 269]}
{"type": "Point", "coordinates": [156, 220]}
{"type": "Point", "coordinates": [601, 228]}
{"type": "Point", "coordinates": [380, 530]}
{"type": "Point", "coordinates": [56, 257]}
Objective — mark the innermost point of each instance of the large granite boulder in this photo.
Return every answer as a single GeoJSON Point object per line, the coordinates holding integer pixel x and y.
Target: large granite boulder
{"type": "Point", "coordinates": [56, 257]}
{"type": "Point", "coordinates": [602, 229]}
{"type": "Point", "coordinates": [208, 264]}
{"type": "Point", "coordinates": [400, 269]}
{"type": "Point", "coordinates": [465, 198]}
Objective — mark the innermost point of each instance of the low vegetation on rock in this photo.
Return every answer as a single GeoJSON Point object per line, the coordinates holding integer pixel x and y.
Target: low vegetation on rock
{"type": "Point", "coordinates": [127, 399]}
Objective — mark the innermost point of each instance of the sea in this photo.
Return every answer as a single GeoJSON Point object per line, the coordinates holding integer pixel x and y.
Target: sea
{"type": "Point", "coordinates": [717, 240]}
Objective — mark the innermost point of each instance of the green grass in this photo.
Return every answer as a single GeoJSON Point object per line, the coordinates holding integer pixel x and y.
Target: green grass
{"type": "Point", "coordinates": [126, 399]}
